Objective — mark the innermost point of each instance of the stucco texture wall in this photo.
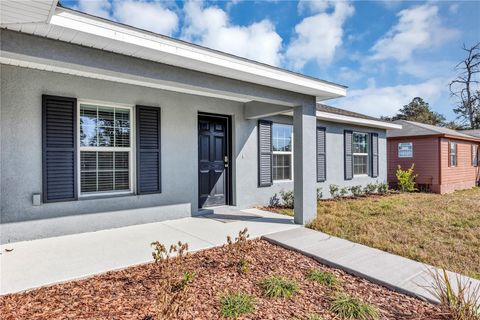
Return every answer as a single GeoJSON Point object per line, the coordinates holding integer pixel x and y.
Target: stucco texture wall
{"type": "Point", "coordinates": [21, 156]}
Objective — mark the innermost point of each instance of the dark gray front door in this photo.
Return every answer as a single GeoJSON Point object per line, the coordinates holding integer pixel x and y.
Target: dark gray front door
{"type": "Point", "coordinates": [212, 161]}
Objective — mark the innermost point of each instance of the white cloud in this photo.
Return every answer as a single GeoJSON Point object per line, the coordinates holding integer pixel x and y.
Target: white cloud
{"type": "Point", "coordinates": [386, 101]}
{"type": "Point", "coordinates": [453, 8]}
{"type": "Point", "coordinates": [210, 26]}
{"type": "Point", "coordinates": [318, 36]}
{"type": "Point", "coordinates": [99, 8]}
{"type": "Point", "coordinates": [417, 28]}
{"type": "Point", "coordinates": [152, 16]}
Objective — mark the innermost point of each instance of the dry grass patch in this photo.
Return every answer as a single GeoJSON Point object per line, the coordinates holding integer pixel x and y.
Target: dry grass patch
{"type": "Point", "coordinates": [442, 230]}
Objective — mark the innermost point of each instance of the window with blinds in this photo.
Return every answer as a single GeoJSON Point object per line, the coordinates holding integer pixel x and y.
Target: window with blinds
{"type": "Point", "coordinates": [360, 153]}
{"type": "Point", "coordinates": [282, 141]}
{"type": "Point", "coordinates": [105, 149]}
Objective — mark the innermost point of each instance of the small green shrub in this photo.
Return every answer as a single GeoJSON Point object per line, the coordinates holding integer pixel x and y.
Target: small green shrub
{"type": "Point", "coordinates": [349, 307]}
{"type": "Point", "coordinates": [233, 305]}
{"type": "Point", "coordinates": [462, 303]}
{"type": "Point", "coordinates": [243, 265]}
{"type": "Point", "coordinates": [356, 191]}
{"type": "Point", "coordinates": [186, 279]}
{"type": "Point", "coordinates": [323, 277]}
{"type": "Point", "coordinates": [278, 287]}
{"type": "Point", "coordinates": [333, 188]}
{"type": "Point", "coordinates": [287, 199]}
{"type": "Point", "coordinates": [406, 179]}
{"type": "Point", "coordinates": [343, 191]}
{"type": "Point", "coordinates": [382, 188]}
{"type": "Point", "coordinates": [370, 188]}
{"type": "Point", "coordinates": [319, 194]}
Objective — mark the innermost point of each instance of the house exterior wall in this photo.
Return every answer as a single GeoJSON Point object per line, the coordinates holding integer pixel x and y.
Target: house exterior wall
{"type": "Point", "coordinates": [430, 156]}
{"type": "Point", "coordinates": [464, 175]}
{"type": "Point", "coordinates": [425, 158]}
{"type": "Point", "coordinates": [21, 156]}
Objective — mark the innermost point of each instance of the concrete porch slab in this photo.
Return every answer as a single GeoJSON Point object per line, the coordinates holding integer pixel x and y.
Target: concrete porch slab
{"type": "Point", "coordinates": [42, 262]}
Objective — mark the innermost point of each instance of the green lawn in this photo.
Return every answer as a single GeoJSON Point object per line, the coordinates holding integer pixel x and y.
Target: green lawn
{"type": "Point", "coordinates": [442, 230]}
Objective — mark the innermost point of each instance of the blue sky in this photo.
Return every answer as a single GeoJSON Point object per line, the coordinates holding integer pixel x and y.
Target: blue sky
{"type": "Point", "coordinates": [386, 52]}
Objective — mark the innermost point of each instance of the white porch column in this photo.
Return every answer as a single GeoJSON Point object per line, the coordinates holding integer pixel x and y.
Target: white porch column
{"type": "Point", "coordinates": [304, 160]}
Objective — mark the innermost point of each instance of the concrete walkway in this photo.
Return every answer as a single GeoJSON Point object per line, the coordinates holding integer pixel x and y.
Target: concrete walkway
{"type": "Point", "coordinates": [392, 271]}
{"type": "Point", "coordinates": [42, 262]}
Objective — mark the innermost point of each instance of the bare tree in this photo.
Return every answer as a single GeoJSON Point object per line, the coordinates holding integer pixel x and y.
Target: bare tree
{"type": "Point", "coordinates": [466, 87]}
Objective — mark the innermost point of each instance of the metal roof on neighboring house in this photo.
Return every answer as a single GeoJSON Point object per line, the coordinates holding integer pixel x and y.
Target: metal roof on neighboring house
{"type": "Point", "coordinates": [474, 133]}
{"type": "Point", "coordinates": [411, 128]}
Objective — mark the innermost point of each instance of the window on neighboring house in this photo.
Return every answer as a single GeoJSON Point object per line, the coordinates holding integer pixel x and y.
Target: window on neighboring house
{"type": "Point", "coordinates": [282, 141]}
{"type": "Point", "coordinates": [105, 149]}
{"type": "Point", "coordinates": [453, 155]}
{"type": "Point", "coordinates": [360, 153]}
{"type": "Point", "coordinates": [475, 161]}
{"type": "Point", "coordinates": [405, 150]}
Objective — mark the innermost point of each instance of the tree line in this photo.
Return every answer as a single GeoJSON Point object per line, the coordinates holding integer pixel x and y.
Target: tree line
{"type": "Point", "coordinates": [464, 88]}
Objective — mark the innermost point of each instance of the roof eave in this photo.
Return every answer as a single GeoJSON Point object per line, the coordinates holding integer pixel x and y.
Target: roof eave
{"type": "Point", "coordinates": [147, 45]}
{"type": "Point", "coordinates": [357, 121]}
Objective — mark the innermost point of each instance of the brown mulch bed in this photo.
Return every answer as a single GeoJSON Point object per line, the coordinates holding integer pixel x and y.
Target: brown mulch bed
{"type": "Point", "coordinates": [131, 293]}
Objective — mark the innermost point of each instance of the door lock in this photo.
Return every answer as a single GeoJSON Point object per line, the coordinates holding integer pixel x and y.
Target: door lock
{"type": "Point", "coordinates": [226, 159]}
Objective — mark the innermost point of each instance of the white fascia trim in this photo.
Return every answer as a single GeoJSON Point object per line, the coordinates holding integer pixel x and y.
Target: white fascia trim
{"type": "Point", "coordinates": [358, 121]}
{"type": "Point", "coordinates": [46, 67]}
{"type": "Point", "coordinates": [111, 30]}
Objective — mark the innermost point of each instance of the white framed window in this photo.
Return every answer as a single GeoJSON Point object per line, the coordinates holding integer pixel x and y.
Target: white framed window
{"type": "Point", "coordinates": [282, 143]}
{"type": "Point", "coordinates": [105, 149]}
{"type": "Point", "coordinates": [360, 153]}
{"type": "Point", "coordinates": [453, 155]}
{"type": "Point", "coordinates": [405, 150]}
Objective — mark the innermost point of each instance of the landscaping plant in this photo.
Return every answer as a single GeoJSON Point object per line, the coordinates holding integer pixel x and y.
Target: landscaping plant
{"type": "Point", "coordinates": [278, 287]}
{"type": "Point", "coordinates": [406, 179]}
{"type": "Point", "coordinates": [356, 191]}
{"type": "Point", "coordinates": [234, 305]}
{"type": "Point", "coordinates": [370, 188]}
{"type": "Point", "coordinates": [343, 191]}
{"type": "Point", "coordinates": [382, 188]}
{"type": "Point", "coordinates": [319, 194]}
{"type": "Point", "coordinates": [333, 188]}
{"type": "Point", "coordinates": [348, 307]}
{"type": "Point", "coordinates": [239, 251]}
{"type": "Point", "coordinates": [325, 278]}
{"type": "Point", "coordinates": [287, 199]}
{"type": "Point", "coordinates": [462, 303]}
{"type": "Point", "coordinates": [172, 292]}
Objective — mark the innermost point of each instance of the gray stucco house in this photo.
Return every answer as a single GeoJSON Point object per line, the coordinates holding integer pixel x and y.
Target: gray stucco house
{"type": "Point", "coordinates": [104, 125]}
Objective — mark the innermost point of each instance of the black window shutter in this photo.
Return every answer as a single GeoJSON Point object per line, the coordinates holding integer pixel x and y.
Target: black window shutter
{"type": "Point", "coordinates": [265, 153]}
{"type": "Point", "coordinates": [59, 148]}
{"type": "Point", "coordinates": [348, 154]}
{"type": "Point", "coordinates": [148, 147]}
{"type": "Point", "coordinates": [321, 155]}
{"type": "Point", "coordinates": [374, 157]}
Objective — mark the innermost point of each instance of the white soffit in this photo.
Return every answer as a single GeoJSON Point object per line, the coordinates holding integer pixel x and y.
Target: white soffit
{"type": "Point", "coordinates": [75, 27]}
{"type": "Point", "coordinates": [26, 11]}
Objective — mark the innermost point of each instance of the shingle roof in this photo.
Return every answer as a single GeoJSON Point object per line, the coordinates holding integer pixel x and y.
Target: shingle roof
{"type": "Point", "coordinates": [474, 133]}
{"type": "Point", "coordinates": [410, 128]}
{"type": "Point", "coordinates": [343, 112]}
